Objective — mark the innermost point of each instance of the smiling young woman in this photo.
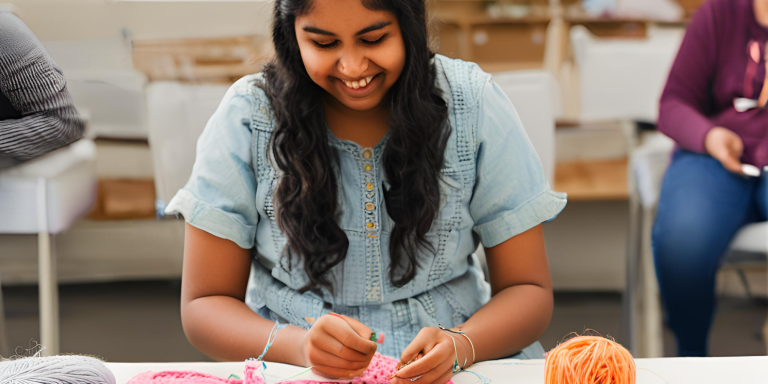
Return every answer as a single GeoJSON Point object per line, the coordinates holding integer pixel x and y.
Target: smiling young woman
{"type": "Point", "coordinates": [356, 60]}
{"type": "Point", "coordinates": [352, 59]}
{"type": "Point", "coordinates": [344, 189]}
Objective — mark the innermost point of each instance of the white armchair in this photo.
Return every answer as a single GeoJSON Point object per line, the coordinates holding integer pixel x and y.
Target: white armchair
{"type": "Point", "coordinates": [45, 196]}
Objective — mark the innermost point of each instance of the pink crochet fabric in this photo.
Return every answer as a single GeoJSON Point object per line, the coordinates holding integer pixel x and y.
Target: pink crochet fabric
{"type": "Point", "coordinates": [180, 377]}
{"type": "Point", "coordinates": [377, 373]}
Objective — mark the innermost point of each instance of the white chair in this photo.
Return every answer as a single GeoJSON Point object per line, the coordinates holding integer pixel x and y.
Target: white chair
{"type": "Point", "coordinates": [177, 114]}
{"type": "Point", "coordinates": [622, 79]}
{"type": "Point", "coordinates": [648, 164]}
{"type": "Point", "coordinates": [642, 309]}
{"type": "Point", "coordinates": [536, 98]}
{"type": "Point", "coordinates": [45, 196]}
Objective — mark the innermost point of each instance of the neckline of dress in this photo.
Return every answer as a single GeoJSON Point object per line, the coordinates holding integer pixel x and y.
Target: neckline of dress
{"type": "Point", "coordinates": [349, 144]}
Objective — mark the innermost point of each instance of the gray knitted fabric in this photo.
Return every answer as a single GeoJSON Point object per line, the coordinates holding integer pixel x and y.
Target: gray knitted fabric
{"type": "Point", "coordinates": [35, 87]}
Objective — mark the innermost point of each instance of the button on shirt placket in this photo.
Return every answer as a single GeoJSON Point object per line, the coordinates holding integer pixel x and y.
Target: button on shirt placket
{"type": "Point", "coordinates": [373, 291]}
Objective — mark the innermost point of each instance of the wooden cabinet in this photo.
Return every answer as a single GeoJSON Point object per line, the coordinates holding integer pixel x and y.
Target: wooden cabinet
{"type": "Point", "coordinates": [201, 59]}
{"type": "Point", "coordinates": [471, 31]}
{"type": "Point", "coordinates": [512, 34]}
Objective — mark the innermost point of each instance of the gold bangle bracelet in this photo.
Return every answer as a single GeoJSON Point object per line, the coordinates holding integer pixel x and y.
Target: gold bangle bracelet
{"type": "Point", "coordinates": [463, 334]}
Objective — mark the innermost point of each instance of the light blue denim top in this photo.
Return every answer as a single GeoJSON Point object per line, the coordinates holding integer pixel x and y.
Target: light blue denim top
{"type": "Point", "coordinates": [494, 188]}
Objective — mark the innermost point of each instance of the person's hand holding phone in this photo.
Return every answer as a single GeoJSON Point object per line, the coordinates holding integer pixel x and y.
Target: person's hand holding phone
{"type": "Point", "coordinates": [726, 147]}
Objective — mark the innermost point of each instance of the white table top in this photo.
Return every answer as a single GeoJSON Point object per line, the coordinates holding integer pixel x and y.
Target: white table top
{"type": "Point", "coordinates": [714, 370]}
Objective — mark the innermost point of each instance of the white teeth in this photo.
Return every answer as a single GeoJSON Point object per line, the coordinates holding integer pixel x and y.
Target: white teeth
{"type": "Point", "coordinates": [358, 83]}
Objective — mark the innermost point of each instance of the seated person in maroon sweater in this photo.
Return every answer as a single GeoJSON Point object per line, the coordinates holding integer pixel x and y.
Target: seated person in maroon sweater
{"type": "Point", "coordinates": [706, 195]}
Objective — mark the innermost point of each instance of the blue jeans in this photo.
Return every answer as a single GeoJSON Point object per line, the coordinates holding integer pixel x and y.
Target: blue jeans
{"type": "Point", "coordinates": [701, 207]}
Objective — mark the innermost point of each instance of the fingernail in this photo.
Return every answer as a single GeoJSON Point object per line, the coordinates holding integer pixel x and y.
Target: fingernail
{"type": "Point", "coordinates": [336, 314]}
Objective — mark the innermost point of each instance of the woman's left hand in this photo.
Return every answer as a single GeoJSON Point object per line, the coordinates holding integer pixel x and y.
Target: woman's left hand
{"type": "Point", "coordinates": [436, 364]}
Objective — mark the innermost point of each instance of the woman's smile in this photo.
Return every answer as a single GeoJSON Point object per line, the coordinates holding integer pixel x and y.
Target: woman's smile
{"type": "Point", "coordinates": [359, 88]}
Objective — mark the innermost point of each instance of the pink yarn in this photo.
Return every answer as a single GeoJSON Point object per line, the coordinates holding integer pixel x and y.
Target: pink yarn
{"type": "Point", "coordinates": [178, 377]}
{"type": "Point", "coordinates": [377, 373]}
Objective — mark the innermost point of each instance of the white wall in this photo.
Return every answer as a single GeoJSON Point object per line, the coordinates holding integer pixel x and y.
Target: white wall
{"type": "Point", "coordinates": [105, 20]}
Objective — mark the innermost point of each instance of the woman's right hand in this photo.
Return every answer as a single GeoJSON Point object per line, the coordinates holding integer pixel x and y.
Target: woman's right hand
{"type": "Point", "coordinates": [338, 347]}
{"type": "Point", "coordinates": [725, 146]}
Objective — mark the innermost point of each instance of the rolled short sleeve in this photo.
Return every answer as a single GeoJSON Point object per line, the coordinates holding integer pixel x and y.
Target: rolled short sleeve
{"type": "Point", "coordinates": [220, 195]}
{"type": "Point", "coordinates": [511, 193]}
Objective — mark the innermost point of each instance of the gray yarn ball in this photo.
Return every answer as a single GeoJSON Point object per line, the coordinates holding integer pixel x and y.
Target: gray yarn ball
{"type": "Point", "coordinates": [55, 370]}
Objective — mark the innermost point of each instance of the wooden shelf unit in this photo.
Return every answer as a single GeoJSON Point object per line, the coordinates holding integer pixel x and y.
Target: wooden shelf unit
{"type": "Point", "coordinates": [592, 180]}
{"type": "Point", "coordinates": [466, 30]}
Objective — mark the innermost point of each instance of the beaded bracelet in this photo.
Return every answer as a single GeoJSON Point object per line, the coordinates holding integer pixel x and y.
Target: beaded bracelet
{"type": "Point", "coordinates": [271, 338]}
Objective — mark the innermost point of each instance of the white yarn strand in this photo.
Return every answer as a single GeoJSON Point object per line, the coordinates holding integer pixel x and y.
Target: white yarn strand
{"type": "Point", "coordinates": [55, 370]}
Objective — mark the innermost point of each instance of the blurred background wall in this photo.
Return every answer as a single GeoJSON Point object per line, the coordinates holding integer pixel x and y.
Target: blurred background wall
{"type": "Point", "coordinates": [107, 20]}
{"type": "Point", "coordinates": [148, 74]}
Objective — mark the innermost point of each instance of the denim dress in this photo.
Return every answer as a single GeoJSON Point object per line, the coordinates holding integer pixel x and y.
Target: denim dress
{"type": "Point", "coordinates": [493, 188]}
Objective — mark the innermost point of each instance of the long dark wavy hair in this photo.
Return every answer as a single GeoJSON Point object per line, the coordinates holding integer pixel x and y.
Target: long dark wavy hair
{"type": "Point", "coordinates": [306, 198]}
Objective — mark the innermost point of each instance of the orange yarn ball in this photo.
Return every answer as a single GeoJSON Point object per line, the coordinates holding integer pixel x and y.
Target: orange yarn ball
{"type": "Point", "coordinates": [590, 360]}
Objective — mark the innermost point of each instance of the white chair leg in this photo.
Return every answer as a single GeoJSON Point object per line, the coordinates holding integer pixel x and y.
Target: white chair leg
{"type": "Point", "coordinates": [49, 296]}
{"type": "Point", "coordinates": [652, 315]}
{"type": "Point", "coordinates": [48, 282]}
{"type": "Point", "coordinates": [4, 351]}
{"type": "Point", "coordinates": [630, 300]}
{"type": "Point", "coordinates": [632, 294]}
